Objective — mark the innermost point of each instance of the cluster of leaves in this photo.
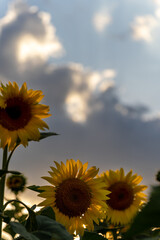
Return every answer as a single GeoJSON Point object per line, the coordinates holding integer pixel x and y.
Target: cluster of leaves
{"type": "Point", "coordinates": [146, 224]}
{"type": "Point", "coordinates": [16, 214]}
{"type": "Point", "coordinates": [37, 226]}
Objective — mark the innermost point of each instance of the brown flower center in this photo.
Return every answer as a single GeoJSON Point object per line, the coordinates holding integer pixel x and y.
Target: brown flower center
{"type": "Point", "coordinates": [16, 114]}
{"type": "Point", "coordinates": [121, 196]}
{"type": "Point", "coordinates": [73, 197]}
{"type": "Point", "coordinates": [17, 182]}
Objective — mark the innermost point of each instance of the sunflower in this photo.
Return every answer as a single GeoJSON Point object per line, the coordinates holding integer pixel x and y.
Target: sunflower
{"type": "Point", "coordinates": [126, 195]}
{"type": "Point", "coordinates": [20, 114]}
{"type": "Point", "coordinates": [76, 196]}
{"type": "Point", "coordinates": [16, 183]}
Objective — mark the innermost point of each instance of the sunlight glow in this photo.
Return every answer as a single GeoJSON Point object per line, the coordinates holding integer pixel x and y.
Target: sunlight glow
{"type": "Point", "coordinates": [37, 40]}
{"type": "Point", "coordinates": [76, 107]}
{"type": "Point", "coordinates": [8, 18]}
{"type": "Point", "coordinates": [86, 88]}
{"type": "Point", "coordinates": [100, 82]}
{"type": "Point", "coordinates": [30, 47]}
{"type": "Point", "coordinates": [77, 238]}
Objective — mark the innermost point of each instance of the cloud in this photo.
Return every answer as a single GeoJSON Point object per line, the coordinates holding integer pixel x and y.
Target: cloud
{"type": "Point", "coordinates": [86, 87]}
{"type": "Point", "coordinates": [101, 20]}
{"type": "Point", "coordinates": [143, 26]}
{"type": "Point", "coordinates": [27, 35]}
{"type": "Point", "coordinates": [157, 11]}
{"type": "Point", "coordinates": [157, 2]}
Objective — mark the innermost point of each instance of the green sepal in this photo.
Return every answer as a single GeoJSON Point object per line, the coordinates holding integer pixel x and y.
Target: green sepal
{"type": "Point", "coordinates": [35, 188]}
{"type": "Point", "coordinates": [42, 136]}
{"type": "Point", "coordinates": [47, 134]}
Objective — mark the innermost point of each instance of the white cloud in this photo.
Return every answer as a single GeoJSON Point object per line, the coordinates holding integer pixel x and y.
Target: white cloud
{"type": "Point", "coordinates": [35, 36]}
{"type": "Point", "coordinates": [157, 12]}
{"type": "Point", "coordinates": [76, 107]}
{"type": "Point", "coordinates": [157, 2]}
{"type": "Point", "coordinates": [101, 81]}
{"type": "Point", "coordinates": [101, 20]}
{"type": "Point", "coordinates": [143, 26]}
{"type": "Point", "coordinates": [86, 86]}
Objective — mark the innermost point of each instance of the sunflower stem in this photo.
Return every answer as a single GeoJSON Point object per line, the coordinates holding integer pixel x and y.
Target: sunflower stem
{"type": "Point", "coordinates": [114, 232]}
{"type": "Point", "coordinates": [9, 157]}
{"type": "Point", "coordinates": [2, 184]}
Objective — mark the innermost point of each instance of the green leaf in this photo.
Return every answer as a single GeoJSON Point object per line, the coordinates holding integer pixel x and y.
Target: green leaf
{"type": "Point", "coordinates": [46, 229]}
{"type": "Point", "coordinates": [48, 212]}
{"type": "Point", "coordinates": [9, 213]}
{"type": "Point", "coordinates": [20, 229]}
{"type": "Point", "coordinates": [3, 172]}
{"type": "Point", "coordinates": [17, 206]}
{"type": "Point", "coordinates": [35, 188]}
{"type": "Point", "coordinates": [22, 218]}
{"type": "Point", "coordinates": [45, 135]}
{"type": "Point", "coordinates": [149, 217]}
{"type": "Point", "coordinates": [49, 229]}
{"type": "Point", "coordinates": [34, 207]}
{"type": "Point", "coordinates": [9, 230]}
{"type": "Point", "coordinates": [92, 236]}
{"type": "Point", "coordinates": [151, 238]}
{"type": "Point", "coordinates": [31, 223]}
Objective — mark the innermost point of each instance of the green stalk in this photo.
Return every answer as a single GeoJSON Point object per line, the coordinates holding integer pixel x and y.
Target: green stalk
{"type": "Point", "coordinates": [2, 184]}
{"type": "Point", "coordinates": [114, 234]}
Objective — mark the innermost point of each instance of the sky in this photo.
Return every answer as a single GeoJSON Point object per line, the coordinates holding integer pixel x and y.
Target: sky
{"type": "Point", "coordinates": [98, 67]}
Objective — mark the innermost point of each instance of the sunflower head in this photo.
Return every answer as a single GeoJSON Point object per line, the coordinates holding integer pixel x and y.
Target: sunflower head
{"type": "Point", "coordinates": [20, 114]}
{"type": "Point", "coordinates": [76, 196]}
{"type": "Point", "coordinates": [126, 195]}
{"type": "Point", "coordinates": [16, 183]}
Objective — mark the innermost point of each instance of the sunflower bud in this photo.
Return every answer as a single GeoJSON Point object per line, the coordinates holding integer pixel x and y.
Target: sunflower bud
{"type": "Point", "coordinates": [16, 183]}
